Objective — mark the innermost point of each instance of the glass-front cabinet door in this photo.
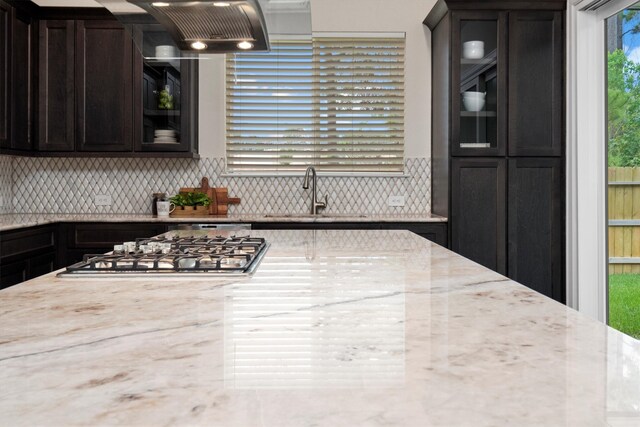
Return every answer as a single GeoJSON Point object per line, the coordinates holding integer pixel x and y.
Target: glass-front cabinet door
{"type": "Point", "coordinates": [478, 84]}
{"type": "Point", "coordinates": [166, 91]}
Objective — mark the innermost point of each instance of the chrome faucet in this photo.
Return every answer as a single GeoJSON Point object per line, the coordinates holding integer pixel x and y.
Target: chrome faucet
{"type": "Point", "coordinates": [315, 204]}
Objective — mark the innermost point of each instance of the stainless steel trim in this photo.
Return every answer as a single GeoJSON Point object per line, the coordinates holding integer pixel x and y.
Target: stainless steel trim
{"type": "Point", "coordinates": [223, 226]}
{"type": "Point", "coordinates": [168, 275]}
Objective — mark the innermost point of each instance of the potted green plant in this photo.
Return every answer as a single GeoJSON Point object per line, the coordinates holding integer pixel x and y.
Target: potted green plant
{"type": "Point", "coordinates": [190, 204]}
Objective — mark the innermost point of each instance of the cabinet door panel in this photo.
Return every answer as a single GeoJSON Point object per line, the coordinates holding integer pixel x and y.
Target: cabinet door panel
{"type": "Point", "coordinates": [535, 83]}
{"type": "Point", "coordinates": [478, 211]}
{"type": "Point", "coordinates": [56, 86]}
{"type": "Point", "coordinates": [108, 234]}
{"type": "Point", "coordinates": [22, 89]}
{"type": "Point", "coordinates": [12, 274]}
{"type": "Point", "coordinates": [536, 221]}
{"type": "Point", "coordinates": [5, 74]}
{"type": "Point", "coordinates": [478, 97]}
{"type": "Point", "coordinates": [41, 264]}
{"type": "Point", "coordinates": [105, 86]}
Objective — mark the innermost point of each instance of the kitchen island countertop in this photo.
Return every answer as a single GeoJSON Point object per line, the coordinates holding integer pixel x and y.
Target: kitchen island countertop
{"type": "Point", "coordinates": [336, 328]}
{"type": "Point", "coordinates": [16, 221]}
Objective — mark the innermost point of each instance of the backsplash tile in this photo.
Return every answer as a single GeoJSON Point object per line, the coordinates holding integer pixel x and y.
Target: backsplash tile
{"type": "Point", "coordinates": [68, 185]}
{"type": "Point", "coordinates": [6, 184]}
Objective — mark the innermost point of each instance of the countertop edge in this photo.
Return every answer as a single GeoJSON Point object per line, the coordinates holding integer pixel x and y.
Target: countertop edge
{"type": "Point", "coordinates": [32, 220]}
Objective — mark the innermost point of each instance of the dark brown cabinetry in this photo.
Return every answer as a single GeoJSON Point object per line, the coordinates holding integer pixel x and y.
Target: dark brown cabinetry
{"type": "Point", "coordinates": [31, 252]}
{"type": "Point", "coordinates": [24, 48]}
{"type": "Point", "coordinates": [498, 144]}
{"type": "Point", "coordinates": [478, 211]}
{"type": "Point", "coordinates": [56, 86]}
{"type": "Point", "coordinates": [86, 86]}
{"type": "Point", "coordinates": [536, 75]}
{"type": "Point", "coordinates": [434, 231]}
{"type": "Point", "coordinates": [5, 74]}
{"type": "Point", "coordinates": [27, 253]}
{"type": "Point", "coordinates": [17, 34]}
{"type": "Point", "coordinates": [97, 238]}
{"type": "Point", "coordinates": [71, 84]}
{"type": "Point", "coordinates": [535, 224]}
{"type": "Point", "coordinates": [104, 86]}
{"type": "Point", "coordinates": [176, 78]}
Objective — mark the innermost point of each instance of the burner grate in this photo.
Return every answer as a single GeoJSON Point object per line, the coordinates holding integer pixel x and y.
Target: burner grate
{"type": "Point", "coordinates": [177, 255]}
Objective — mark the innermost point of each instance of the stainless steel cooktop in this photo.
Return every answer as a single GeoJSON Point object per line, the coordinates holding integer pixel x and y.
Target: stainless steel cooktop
{"type": "Point", "coordinates": [176, 254]}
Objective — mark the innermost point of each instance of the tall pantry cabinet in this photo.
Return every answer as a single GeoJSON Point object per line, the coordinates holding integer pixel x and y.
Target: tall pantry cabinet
{"type": "Point", "coordinates": [498, 135]}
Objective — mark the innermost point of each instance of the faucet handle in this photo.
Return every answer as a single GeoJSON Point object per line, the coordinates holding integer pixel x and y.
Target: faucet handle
{"type": "Point", "coordinates": [324, 204]}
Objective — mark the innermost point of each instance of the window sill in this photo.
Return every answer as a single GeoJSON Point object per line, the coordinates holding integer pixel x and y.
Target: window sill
{"type": "Point", "coordinates": [320, 174]}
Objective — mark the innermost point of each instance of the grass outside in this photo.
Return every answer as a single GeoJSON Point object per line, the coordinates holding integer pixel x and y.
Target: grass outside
{"type": "Point", "coordinates": [624, 303]}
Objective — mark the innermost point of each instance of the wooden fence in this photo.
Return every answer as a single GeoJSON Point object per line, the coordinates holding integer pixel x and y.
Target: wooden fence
{"type": "Point", "coordinates": [624, 220]}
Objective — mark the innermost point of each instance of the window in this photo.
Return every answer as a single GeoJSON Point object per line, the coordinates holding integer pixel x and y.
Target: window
{"type": "Point", "coordinates": [333, 102]}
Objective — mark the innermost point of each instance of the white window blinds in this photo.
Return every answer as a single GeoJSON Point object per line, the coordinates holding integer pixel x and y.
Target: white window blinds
{"type": "Point", "coordinates": [335, 103]}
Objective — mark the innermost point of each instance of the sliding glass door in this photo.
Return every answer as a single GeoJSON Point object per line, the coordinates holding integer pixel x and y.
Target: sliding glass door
{"type": "Point", "coordinates": [623, 161]}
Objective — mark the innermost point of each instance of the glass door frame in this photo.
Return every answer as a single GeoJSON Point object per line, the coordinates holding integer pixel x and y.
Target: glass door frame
{"type": "Point", "coordinates": [456, 54]}
{"type": "Point", "coordinates": [587, 241]}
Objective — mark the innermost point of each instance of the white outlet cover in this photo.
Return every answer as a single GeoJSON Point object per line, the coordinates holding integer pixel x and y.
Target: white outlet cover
{"type": "Point", "coordinates": [396, 201]}
{"type": "Point", "coordinates": [102, 200]}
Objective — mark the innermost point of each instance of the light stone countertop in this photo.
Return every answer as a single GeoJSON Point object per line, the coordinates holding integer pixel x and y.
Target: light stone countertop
{"type": "Point", "coordinates": [16, 221]}
{"type": "Point", "coordinates": [336, 328]}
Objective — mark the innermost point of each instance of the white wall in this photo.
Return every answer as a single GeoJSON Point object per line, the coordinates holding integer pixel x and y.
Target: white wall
{"type": "Point", "coordinates": [346, 16]}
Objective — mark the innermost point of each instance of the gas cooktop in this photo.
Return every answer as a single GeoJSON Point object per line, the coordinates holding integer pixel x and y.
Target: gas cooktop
{"type": "Point", "coordinates": [220, 255]}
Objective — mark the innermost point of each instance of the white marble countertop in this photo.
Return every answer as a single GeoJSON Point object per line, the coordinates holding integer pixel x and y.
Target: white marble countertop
{"type": "Point", "coordinates": [336, 328]}
{"type": "Point", "coordinates": [16, 221]}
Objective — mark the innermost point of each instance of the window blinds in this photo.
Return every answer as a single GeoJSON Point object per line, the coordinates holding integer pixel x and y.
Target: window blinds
{"type": "Point", "coordinates": [335, 103]}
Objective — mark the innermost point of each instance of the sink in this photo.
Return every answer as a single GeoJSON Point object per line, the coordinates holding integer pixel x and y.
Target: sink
{"type": "Point", "coordinates": [310, 216]}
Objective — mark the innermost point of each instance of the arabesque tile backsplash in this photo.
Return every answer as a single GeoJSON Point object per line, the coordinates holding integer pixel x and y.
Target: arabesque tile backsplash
{"type": "Point", "coordinates": [68, 185]}
{"type": "Point", "coordinates": [6, 184]}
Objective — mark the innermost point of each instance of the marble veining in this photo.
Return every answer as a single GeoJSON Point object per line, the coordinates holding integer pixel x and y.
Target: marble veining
{"type": "Point", "coordinates": [15, 221]}
{"type": "Point", "coordinates": [365, 328]}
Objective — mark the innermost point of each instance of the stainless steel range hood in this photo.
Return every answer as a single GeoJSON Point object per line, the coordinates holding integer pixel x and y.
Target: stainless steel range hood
{"type": "Point", "coordinates": [192, 26]}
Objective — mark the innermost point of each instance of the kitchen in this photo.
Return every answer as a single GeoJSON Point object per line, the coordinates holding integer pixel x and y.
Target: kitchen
{"type": "Point", "coordinates": [345, 306]}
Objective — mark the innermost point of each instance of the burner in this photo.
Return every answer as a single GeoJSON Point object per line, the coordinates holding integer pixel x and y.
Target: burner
{"type": "Point", "coordinates": [173, 254]}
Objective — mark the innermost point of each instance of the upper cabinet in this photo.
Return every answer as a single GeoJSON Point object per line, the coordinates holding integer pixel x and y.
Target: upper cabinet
{"type": "Point", "coordinates": [478, 113]}
{"type": "Point", "coordinates": [76, 85]}
{"type": "Point", "coordinates": [17, 35]}
{"type": "Point", "coordinates": [103, 86]}
{"type": "Point", "coordinates": [536, 70]}
{"type": "Point", "coordinates": [23, 96]}
{"type": "Point", "coordinates": [56, 86]}
{"type": "Point", "coordinates": [504, 69]}
{"type": "Point", "coordinates": [169, 99]}
{"type": "Point", "coordinates": [5, 74]}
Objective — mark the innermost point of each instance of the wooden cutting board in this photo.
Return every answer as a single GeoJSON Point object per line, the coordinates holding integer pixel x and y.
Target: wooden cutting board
{"type": "Point", "coordinates": [220, 199]}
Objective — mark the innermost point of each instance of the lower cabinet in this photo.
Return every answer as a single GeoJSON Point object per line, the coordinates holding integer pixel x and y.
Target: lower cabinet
{"type": "Point", "coordinates": [478, 225]}
{"type": "Point", "coordinates": [98, 238]}
{"type": "Point", "coordinates": [535, 225]}
{"type": "Point", "coordinates": [31, 252]}
{"type": "Point", "coordinates": [434, 231]}
{"type": "Point", "coordinates": [27, 253]}
{"type": "Point", "coordinates": [508, 215]}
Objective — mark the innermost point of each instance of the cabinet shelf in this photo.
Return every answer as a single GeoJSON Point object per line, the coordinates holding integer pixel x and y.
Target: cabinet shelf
{"type": "Point", "coordinates": [478, 114]}
{"type": "Point", "coordinates": [481, 61]}
{"type": "Point", "coordinates": [161, 113]}
{"type": "Point", "coordinates": [155, 63]}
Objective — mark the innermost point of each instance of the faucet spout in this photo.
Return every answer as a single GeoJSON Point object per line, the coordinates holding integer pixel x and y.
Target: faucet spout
{"type": "Point", "coordinates": [310, 170]}
{"type": "Point", "coordinates": [311, 177]}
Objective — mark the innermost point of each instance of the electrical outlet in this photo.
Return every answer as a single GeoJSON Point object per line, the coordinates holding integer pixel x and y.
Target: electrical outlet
{"type": "Point", "coordinates": [396, 201]}
{"type": "Point", "coordinates": [102, 200]}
